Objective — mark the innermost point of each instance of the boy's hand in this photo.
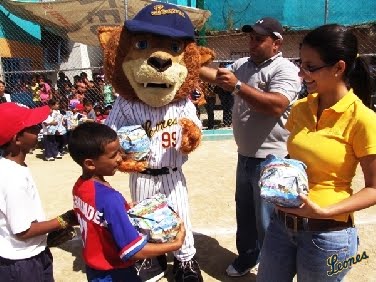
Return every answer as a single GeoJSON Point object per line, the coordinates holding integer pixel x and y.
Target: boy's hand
{"type": "Point", "coordinates": [58, 237]}
{"type": "Point", "coordinates": [69, 218]}
{"type": "Point", "coordinates": [180, 237]}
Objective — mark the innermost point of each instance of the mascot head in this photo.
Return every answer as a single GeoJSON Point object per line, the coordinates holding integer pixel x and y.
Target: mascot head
{"type": "Point", "coordinates": [153, 57]}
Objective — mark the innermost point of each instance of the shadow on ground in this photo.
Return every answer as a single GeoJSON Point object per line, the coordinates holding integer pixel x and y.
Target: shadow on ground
{"type": "Point", "coordinates": [75, 248]}
{"type": "Point", "coordinates": [213, 260]}
{"type": "Point", "coordinates": [212, 257]}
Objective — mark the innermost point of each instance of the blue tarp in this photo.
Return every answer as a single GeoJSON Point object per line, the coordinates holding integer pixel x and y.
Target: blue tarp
{"type": "Point", "coordinates": [293, 14]}
{"type": "Point", "coordinates": [15, 28]}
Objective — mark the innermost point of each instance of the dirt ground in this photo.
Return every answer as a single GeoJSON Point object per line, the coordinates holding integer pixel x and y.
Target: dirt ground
{"type": "Point", "coordinates": [210, 173]}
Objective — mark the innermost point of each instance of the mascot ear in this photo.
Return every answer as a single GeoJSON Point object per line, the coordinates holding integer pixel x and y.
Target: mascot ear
{"type": "Point", "coordinates": [206, 55]}
{"type": "Point", "coordinates": [106, 33]}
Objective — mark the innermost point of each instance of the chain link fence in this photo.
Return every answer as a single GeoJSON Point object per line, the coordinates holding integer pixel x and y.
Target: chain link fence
{"type": "Point", "coordinates": [54, 67]}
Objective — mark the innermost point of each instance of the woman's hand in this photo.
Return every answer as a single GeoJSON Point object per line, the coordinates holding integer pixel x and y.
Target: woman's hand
{"type": "Point", "coordinates": [307, 209]}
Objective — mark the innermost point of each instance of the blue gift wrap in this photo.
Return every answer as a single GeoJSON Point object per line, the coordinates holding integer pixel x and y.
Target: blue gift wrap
{"type": "Point", "coordinates": [282, 180]}
{"type": "Point", "coordinates": [134, 140]}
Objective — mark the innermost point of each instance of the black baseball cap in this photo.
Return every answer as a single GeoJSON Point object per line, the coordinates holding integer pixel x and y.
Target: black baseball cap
{"type": "Point", "coordinates": [266, 26]}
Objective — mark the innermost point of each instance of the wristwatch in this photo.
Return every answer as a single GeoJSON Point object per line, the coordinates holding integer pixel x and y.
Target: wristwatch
{"type": "Point", "coordinates": [237, 88]}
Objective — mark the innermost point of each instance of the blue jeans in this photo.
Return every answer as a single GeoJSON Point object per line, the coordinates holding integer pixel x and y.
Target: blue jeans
{"type": "Point", "coordinates": [305, 253]}
{"type": "Point", "coordinates": [128, 274]}
{"type": "Point", "coordinates": [252, 213]}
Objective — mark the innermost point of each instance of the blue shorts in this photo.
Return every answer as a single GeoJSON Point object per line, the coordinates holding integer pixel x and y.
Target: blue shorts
{"type": "Point", "coordinates": [36, 268]}
{"type": "Point", "coordinates": [128, 274]}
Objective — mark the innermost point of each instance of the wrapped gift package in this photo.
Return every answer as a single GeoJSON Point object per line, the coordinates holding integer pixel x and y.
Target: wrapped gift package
{"type": "Point", "coordinates": [154, 218]}
{"type": "Point", "coordinates": [135, 142]}
{"type": "Point", "coordinates": [282, 180]}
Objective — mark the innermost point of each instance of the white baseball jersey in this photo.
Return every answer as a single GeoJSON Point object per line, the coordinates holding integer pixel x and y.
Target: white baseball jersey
{"type": "Point", "coordinates": [161, 125]}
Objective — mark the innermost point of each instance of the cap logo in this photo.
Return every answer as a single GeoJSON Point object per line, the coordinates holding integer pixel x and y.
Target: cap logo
{"type": "Point", "coordinates": [159, 10]}
{"type": "Point", "coordinates": [260, 21]}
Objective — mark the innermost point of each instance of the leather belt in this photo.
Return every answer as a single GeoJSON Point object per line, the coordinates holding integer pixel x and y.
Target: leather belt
{"type": "Point", "coordinates": [297, 223]}
{"type": "Point", "coordinates": [158, 171]}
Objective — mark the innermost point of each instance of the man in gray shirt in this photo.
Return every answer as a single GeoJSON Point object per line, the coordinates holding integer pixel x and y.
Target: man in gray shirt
{"type": "Point", "coordinates": [264, 86]}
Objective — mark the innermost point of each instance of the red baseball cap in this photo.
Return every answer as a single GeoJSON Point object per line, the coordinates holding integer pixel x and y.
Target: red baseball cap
{"type": "Point", "coordinates": [79, 107]}
{"type": "Point", "coordinates": [15, 117]}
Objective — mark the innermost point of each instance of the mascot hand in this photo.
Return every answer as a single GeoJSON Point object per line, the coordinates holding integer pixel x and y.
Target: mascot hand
{"type": "Point", "coordinates": [128, 164]}
{"type": "Point", "coordinates": [191, 136]}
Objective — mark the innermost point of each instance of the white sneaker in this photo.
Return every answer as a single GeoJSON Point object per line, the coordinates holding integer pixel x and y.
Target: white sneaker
{"type": "Point", "coordinates": [49, 159]}
{"type": "Point", "coordinates": [59, 156]}
{"type": "Point", "coordinates": [254, 270]}
{"type": "Point", "coordinates": [232, 272]}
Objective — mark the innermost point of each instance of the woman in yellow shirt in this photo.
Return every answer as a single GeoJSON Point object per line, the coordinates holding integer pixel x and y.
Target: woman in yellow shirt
{"type": "Point", "coordinates": [331, 131]}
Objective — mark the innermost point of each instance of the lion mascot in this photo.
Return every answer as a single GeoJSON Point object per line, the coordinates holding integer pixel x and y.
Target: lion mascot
{"type": "Point", "coordinates": [153, 64]}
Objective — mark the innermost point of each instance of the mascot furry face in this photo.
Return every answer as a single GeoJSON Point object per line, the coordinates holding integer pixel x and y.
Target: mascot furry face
{"type": "Point", "coordinates": [153, 59]}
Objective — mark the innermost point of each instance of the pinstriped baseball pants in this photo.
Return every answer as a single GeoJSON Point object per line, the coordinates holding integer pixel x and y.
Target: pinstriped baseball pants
{"type": "Point", "coordinates": [173, 185]}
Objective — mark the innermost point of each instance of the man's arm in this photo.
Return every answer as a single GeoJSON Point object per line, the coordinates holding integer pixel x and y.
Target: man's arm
{"type": "Point", "coordinates": [272, 103]}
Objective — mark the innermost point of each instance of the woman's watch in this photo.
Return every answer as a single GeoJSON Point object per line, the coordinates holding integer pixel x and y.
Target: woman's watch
{"type": "Point", "coordinates": [237, 87]}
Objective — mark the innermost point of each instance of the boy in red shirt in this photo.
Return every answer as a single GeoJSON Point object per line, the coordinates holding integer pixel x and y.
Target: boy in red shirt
{"type": "Point", "coordinates": [111, 244]}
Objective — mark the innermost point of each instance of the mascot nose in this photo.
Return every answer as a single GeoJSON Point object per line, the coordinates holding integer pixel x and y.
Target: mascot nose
{"type": "Point", "coordinates": [159, 64]}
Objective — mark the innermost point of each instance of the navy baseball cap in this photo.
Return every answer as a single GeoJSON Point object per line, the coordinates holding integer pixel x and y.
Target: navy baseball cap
{"type": "Point", "coordinates": [266, 26]}
{"type": "Point", "coordinates": [162, 19]}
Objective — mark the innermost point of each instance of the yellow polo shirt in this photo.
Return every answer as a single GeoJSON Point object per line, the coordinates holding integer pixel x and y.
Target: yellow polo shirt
{"type": "Point", "coordinates": [332, 146]}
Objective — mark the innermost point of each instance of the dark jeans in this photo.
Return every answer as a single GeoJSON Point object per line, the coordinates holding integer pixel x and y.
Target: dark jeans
{"type": "Point", "coordinates": [61, 141]}
{"type": "Point", "coordinates": [253, 214]}
{"type": "Point", "coordinates": [128, 274]}
{"type": "Point", "coordinates": [209, 106]}
{"type": "Point", "coordinates": [227, 102]}
{"type": "Point", "coordinates": [38, 268]}
{"type": "Point", "coordinates": [50, 146]}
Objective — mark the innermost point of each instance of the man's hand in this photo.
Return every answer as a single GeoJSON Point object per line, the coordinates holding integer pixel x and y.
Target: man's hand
{"type": "Point", "coordinates": [226, 79]}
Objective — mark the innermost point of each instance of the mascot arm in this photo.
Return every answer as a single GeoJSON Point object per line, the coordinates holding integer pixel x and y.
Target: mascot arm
{"type": "Point", "coordinates": [122, 115]}
{"type": "Point", "coordinates": [191, 136]}
{"type": "Point", "coordinates": [191, 129]}
{"type": "Point", "coordinates": [130, 165]}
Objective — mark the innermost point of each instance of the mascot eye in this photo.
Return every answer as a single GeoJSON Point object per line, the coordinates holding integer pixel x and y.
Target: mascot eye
{"type": "Point", "coordinates": [142, 44]}
{"type": "Point", "coordinates": [176, 47]}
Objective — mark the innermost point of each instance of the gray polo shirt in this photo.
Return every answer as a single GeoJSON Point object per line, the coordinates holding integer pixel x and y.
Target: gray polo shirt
{"type": "Point", "coordinates": [258, 134]}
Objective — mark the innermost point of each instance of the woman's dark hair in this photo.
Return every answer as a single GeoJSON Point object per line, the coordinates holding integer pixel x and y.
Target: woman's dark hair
{"type": "Point", "coordinates": [335, 42]}
{"type": "Point", "coordinates": [88, 141]}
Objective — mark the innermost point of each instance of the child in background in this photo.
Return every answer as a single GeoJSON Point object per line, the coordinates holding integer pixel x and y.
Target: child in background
{"type": "Point", "coordinates": [111, 244]}
{"type": "Point", "coordinates": [24, 255]}
{"type": "Point", "coordinates": [89, 109]}
{"type": "Point", "coordinates": [107, 110]}
{"type": "Point", "coordinates": [73, 117]}
{"type": "Point", "coordinates": [61, 131]}
{"type": "Point", "coordinates": [100, 118]}
{"type": "Point", "coordinates": [45, 93]}
{"type": "Point", "coordinates": [49, 132]}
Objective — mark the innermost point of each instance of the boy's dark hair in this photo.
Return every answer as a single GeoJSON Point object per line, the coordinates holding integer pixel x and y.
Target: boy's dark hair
{"type": "Point", "coordinates": [88, 141]}
{"type": "Point", "coordinates": [52, 102]}
{"type": "Point", "coordinates": [87, 102]}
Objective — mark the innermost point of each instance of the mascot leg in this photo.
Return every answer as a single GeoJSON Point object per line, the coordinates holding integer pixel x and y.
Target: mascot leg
{"type": "Point", "coordinates": [173, 185]}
